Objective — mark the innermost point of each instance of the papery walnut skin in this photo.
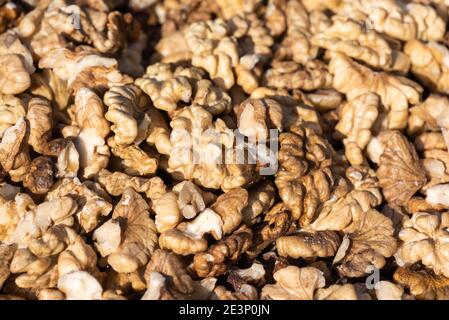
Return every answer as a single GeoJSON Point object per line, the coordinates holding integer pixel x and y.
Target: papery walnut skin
{"type": "Point", "coordinates": [399, 169]}
{"type": "Point", "coordinates": [215, 260]}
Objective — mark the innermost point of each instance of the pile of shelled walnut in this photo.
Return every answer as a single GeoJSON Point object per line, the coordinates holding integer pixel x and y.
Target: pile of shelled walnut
{"type": "Point", "coordinates": [96, 201]}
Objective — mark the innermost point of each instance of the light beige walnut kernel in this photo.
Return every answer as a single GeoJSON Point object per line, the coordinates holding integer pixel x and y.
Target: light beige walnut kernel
{"type": "Point", "coordinates": [424, 239]}
{"type": "Point", "coordinates": [357, 117]}
{"type": "Point", "coordinates": [396, 93]}
{"type": "Point", "coordinates": [293, 283]}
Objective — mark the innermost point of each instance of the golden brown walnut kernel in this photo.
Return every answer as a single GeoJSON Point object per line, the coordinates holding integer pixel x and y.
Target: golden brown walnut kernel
{"type": "Point", "coordinates": [115, 184]}
{"type": "Point", "coordinates": [377, 145]}
{"type": "Point", "coordinates": [6, 254]}
{"type": "Point", "coordinates": [289, 111]}
{"type": "Point", "coordinates": [276, 223]}
{"type": "Point", "coordinates": [430, 115]}
{"type": "Point", "coordinates": [254, 43]}
{"type": "Point", "coordinates": [243, 292]}
{"type": "Point", "coordinates": [386, 290]}
{"type": "Point", "coordinates": [312, 75]}
{"type": "Point", "coordinates": [90, 129]}
{"type": "Point", "coordinates": [213, 50]}
{"type": "Point", "coordinates": [369, 234]}
{"type": "Point", "coordinates": [305, 178]}
{"type": "Point", "coordinates": [169, 53]}
{"type": "Point", "coordinates": [135, 161]}
{"type": "Point", "coordinates": [424, 238]}
{"type": "Point", "coordinates": [429, 63]}
{"type": "Point", "coordinates": [14, 154]}
{"type": "Point", "coordinates": [35, 272]}
{"type": "Point", "coordinates": [191, 199]}
{"type": "Point", "coordinates": [105, 31]}
{"type": "Point", "coordinates": [14, 78]}
{"type": "Point", "coordinates": [351, 38]}
{"type": "Point", "coordinates": [260, 199]}
{"type": "Point", "coordinates": [399, 169]}
{"type": "Point", "coordinates": [229, 206]}
{"type": "Point", "coordinates": [204, 161]}
{"type": "Point", "coordinates": [256, 116]}
{"type": "Point", "coordinates": [356, 118]}
{"type": "Point", "coordinates": [126, 112]}
{"type": "Point", "coordinates": [436, 165]}
{"type": "Point", "coordinates": [296, 45]}
{"type": "Point", "coordinates": [337, 292]}
{"type": "Point", "coordinates": [308, 245]}
{"type": "Point", "coordinates": [423, 284]}
{"type": "Point", "coordinates": [293, 283]}
{"type": "Point", "coordinates": [39, 178]}
{"type": "Point", "coordinates": [215, 260]}
{"type": "Point", "coordinates": [47, 85]}
{"type": "Point", "coordinates": [132, 230]}
{"type": "Point", "coordinates": [92, 201]}
{"type": "Point", "coordinates": [325, 99]}
{"type": "Point", "coordinates": [131, 117]}
{"type": "Point", "coordinates": [188, 237]}
{"type": "Point", "coordinates": [168, 213]}
{"type": "Point", "coordinates": [396, 93]}
{"type": "Point", "coordinates": [170, 265]}
{"type": "Point", "coordinates": [175, 15]}
{"type": "Point", "coordinates": [403, 22]}
{"type": "Point", "coordinates": [429, 141]}
{"type": "Point", "coordinates": [165, 87]}
{"type": "Point", "coordinates": [84, 69]}
{"type": "Point", "coordinates": [39, 116]}
{"type": "Point", "coordinates": [11, 110]}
